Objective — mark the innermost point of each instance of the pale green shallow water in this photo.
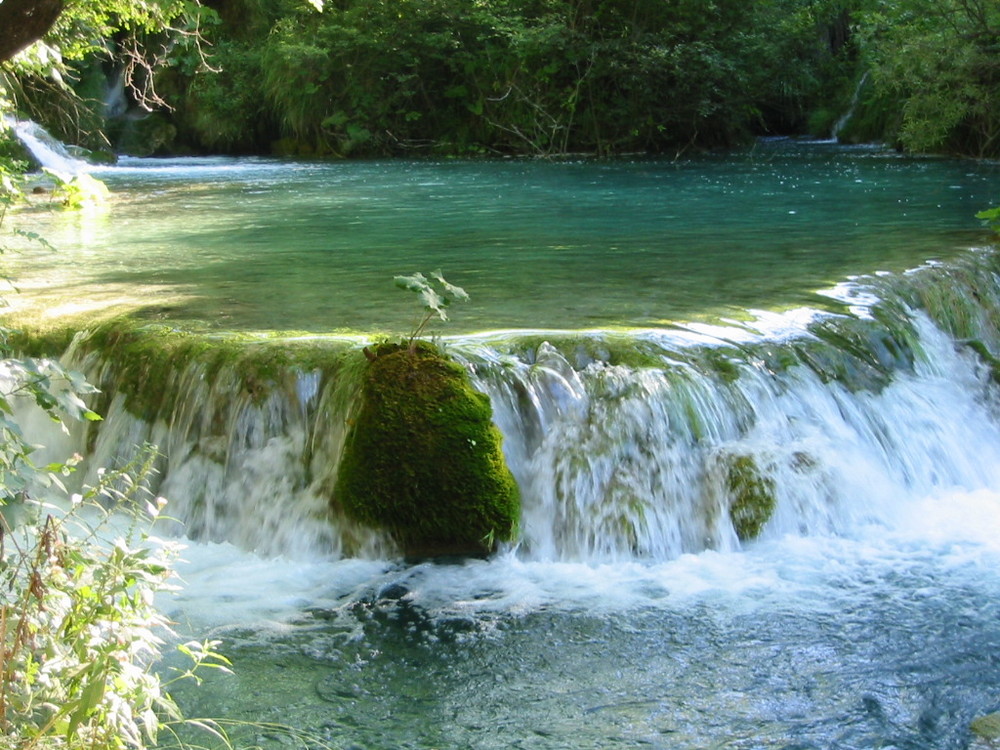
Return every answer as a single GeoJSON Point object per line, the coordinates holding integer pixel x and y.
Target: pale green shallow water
{"type": "Point", "coordinates": [280, 245]}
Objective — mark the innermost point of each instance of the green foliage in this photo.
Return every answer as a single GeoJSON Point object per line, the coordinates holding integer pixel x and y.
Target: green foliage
{"type": "Point", "coordinates": [434, 300]}
{"type": "Point", "coordinates": [937, 60]}
{"type": "Point", "coordinates": [77, 191]}
{"type": "Point", "coordinates": [372, 77]}
{"type": "Point", "coordinates": [423, 459]}
{"type": "Point", "coordinates": [991, 218]}
{"type": "Point", "coordinates": [138, 37]}
{"type": "Point", "coordinates": [79, 630]}
{"type": "Point", "coordinates": [224, 106]}
{"type": "Point", "coordinates": [506, 76]}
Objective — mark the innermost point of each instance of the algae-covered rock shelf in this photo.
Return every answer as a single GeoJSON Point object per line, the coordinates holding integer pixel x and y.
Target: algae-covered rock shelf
{"type": "Point", "coordinates": [639, 444]}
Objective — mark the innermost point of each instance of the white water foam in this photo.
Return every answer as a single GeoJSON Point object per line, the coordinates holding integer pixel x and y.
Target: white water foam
{"type": "Point", "coordinates": [49, 152]}
{"type": "Point", "coordinates": [952, 535]}
{"type": "Point", "coordinates": [869, 483]}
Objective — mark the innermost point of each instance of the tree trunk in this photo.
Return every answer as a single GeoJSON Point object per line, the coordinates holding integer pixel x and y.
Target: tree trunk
{"type": "Point", "coordinates": [23, 22]}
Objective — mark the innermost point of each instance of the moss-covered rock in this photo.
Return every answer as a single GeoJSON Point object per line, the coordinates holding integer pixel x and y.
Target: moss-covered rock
{"type": "Point", "coordinates": [985, 732]}
{"type": "Point", "coordinates": [423, 458]}
{"type": "Point", "coordinates": [751, 493]}
{"type": "Point", "coordinates": [149, 135]}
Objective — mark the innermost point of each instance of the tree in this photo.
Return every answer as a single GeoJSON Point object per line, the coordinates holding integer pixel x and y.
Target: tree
{"type": "Point", "coordinates": [24, 22]}
{"type": "Point", "coordinates": [46, 44]}
{"type": "Point", "coordinates": [938, 61]}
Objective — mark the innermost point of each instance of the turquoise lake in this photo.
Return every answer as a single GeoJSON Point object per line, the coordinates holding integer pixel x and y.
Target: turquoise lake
{"type": "Point", "coordinates": [256, 244]}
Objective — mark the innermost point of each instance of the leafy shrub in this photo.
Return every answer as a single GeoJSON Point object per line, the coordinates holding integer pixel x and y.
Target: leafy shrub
{"type": "Point", "coordinates": [78, 627]}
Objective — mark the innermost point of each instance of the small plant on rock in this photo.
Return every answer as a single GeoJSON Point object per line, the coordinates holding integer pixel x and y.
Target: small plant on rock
{"type": "Point", "coordinates": [423, 460]}
{"type": "Point", "coordinates": [434, 300]}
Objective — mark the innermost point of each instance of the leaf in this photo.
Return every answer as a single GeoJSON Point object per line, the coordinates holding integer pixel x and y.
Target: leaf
{"type": "Point", "coordinates": [434, 301]}
{"type": "Point", "coordinates": [455, 291]}
{"type": "Point", "coordinates": [990, 217]}
{"type": "Point", "coordinates": [415, 283]}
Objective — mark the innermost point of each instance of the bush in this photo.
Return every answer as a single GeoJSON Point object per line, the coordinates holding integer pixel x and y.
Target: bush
{"type": "Point", "coordinates": [79, 630]}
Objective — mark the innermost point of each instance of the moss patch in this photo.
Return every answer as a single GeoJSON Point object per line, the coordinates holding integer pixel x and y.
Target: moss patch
{"type": "Point", "coordinates": [987, 728]}
{"type": "Point", "coordinates": [423, 458]}
{"type": "Point", "coordinates": [986, 356]}
{"type": "Point", "coordinates": [148, 362]}
{"type": "Point", "coordinates": [34, 341]}
{"type": "Point", "coordinates": [752, 500]}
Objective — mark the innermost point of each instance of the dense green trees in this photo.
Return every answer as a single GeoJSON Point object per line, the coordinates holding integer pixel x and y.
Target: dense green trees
{"type": "Point", "coordinates": [938, 63]}
{"type": "Point", "coordinates": [384, 77]}
{"type": "Point", "coordinates": [539, 76]}
{"type": "Point", "coordinates": [63, 78]}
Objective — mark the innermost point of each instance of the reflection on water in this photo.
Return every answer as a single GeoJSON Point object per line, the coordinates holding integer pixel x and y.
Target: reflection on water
{"type": "Point", "coordinates": [268, 244]}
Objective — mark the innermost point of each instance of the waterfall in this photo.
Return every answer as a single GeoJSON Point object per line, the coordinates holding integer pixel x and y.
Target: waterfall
{"type": "Point", "coordinates": [842, 121]}
{"type": "Point", "coordinates": [626, 446]}
{"type": "Point", "coordinates": [47, 150]}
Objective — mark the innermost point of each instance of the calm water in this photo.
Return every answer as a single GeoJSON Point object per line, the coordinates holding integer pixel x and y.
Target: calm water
{"type": "Point", "coordinates": [265, 244]}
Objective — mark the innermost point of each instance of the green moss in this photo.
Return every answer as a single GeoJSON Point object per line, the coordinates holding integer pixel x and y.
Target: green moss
{"type": "Point", "coordinates": [39, 342]}
{"type": "Point", "coordinates": [987, 727]}
{"type": "Point", "coordinates": [423, 457]}
{"type": "Point", "coordinates": [752, 500]}
{"type": "Point", "coordinates": [148, 361]}
{"type": "Point", "coordinates": [986, 356]}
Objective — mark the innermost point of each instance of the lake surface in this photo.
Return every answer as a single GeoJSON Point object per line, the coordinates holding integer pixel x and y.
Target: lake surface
{"type": "Point", "coordinates": [629, 613]}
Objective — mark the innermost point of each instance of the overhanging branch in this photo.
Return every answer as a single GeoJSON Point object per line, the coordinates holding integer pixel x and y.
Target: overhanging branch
{"type": "Point", "coordinates": [23, 22]}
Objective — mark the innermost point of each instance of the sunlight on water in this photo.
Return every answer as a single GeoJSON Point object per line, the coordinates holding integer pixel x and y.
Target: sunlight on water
{"type": "Point", "coordinates": [267, 244]}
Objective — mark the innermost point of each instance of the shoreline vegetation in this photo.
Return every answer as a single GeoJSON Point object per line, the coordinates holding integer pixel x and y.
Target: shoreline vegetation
{"type": "Point", "coordinates": [365, 78]}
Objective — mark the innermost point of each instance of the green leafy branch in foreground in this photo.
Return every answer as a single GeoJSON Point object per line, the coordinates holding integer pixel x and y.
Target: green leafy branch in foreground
{"type": "Point", "coordinates": [79, 631]}
{"type": "Point", "coordinates": [991, 218]}
{"type": "Point", "coordinates": [433, 300]}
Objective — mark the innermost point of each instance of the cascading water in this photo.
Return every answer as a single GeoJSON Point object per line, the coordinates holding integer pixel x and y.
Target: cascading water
{"type": "Point", "coordinates": [623, 445]}
{"type": "Point", "coordinates": [47, 150]}
{"type": "Point", "coordinates": [630, 612]}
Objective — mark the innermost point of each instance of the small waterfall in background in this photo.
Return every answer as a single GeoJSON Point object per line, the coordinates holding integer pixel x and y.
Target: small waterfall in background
{"type": "Point", "coordinates": [845, 118]}
{"type": "Point", "coordinates": [47, 150]}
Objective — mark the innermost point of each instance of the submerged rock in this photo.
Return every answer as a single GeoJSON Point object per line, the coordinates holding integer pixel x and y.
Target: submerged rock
{"type": "Point", "coordinates": [751, 493]}
{"type": "Point", "coordinates": [985, 732]}
{"type": "Point", "coordinates": [423, 458]}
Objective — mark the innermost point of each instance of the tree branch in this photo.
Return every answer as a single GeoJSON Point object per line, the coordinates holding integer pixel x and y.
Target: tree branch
{"type": "Point", "coordinates": [23, 22]}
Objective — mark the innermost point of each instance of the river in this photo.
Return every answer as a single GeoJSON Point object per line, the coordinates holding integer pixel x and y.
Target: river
{"type": "Point", "coordinates": [828, 313]}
